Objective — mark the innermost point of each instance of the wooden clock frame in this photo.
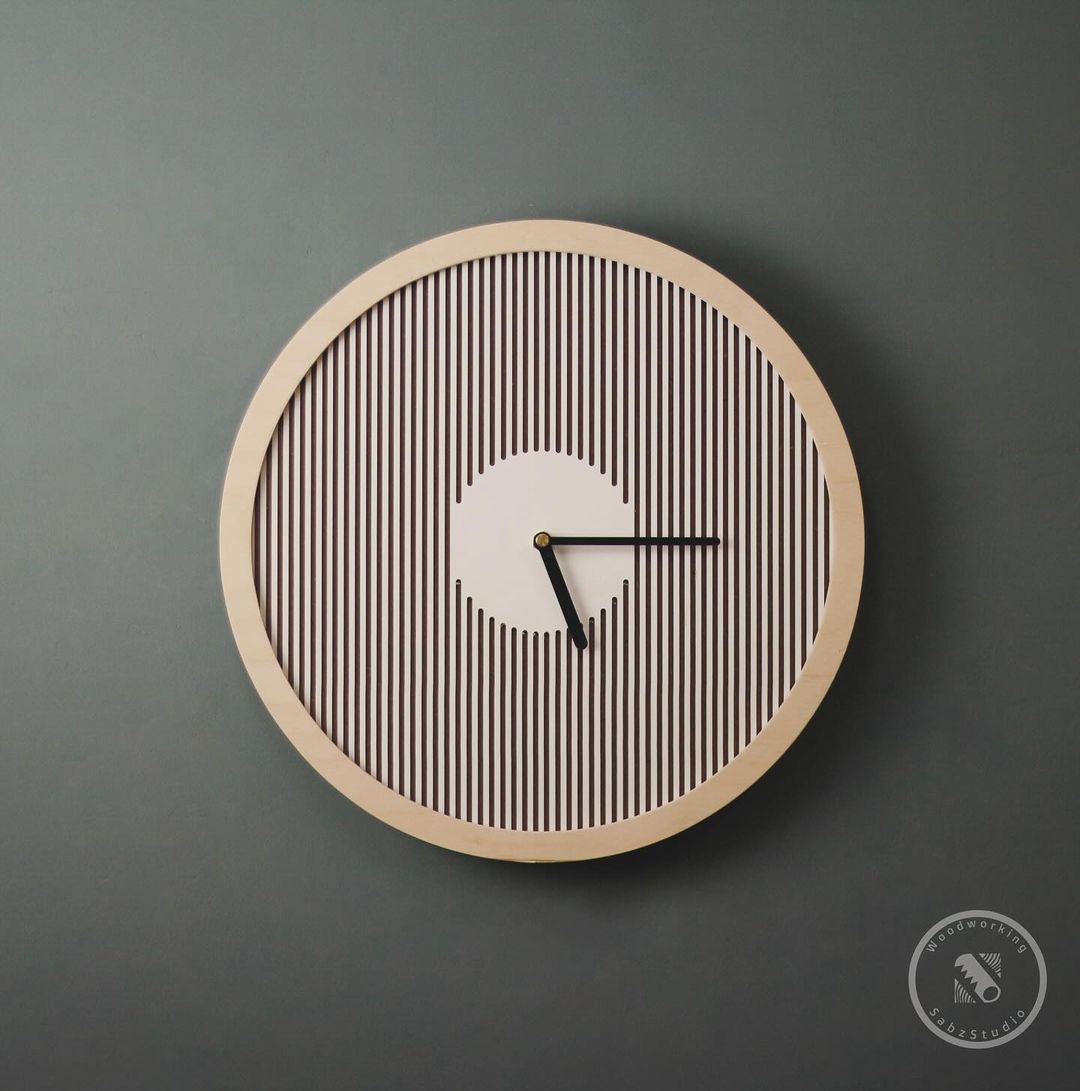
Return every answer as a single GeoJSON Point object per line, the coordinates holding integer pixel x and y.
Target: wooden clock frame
{"type": "Point", "coordinates": [279, 385]}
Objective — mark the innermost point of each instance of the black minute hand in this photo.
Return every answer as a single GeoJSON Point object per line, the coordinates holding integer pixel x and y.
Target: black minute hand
{"type": "Point", "coordinates": [543, 543]}
{"type": "Point", "coordinates": [607, 540]}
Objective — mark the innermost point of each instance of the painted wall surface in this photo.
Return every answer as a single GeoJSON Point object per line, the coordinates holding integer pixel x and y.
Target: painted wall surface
{"type": "Point", "coordinates": [185, 904]}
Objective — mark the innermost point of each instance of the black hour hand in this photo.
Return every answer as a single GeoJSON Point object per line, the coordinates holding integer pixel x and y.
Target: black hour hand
{"type": "Point", "coordinates": [543, 542]}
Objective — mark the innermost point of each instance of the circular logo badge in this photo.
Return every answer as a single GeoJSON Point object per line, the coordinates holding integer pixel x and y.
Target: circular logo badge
{"type": "Point", "coordinates": [977, 979]}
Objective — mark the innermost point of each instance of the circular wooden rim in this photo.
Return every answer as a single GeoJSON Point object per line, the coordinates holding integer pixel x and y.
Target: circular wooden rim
{"type": "Point", "coordinates": [279, 385]}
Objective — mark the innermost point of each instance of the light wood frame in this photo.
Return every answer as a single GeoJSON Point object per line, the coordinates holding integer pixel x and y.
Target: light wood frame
{"type": "Point", "coordinates": [278, 386]}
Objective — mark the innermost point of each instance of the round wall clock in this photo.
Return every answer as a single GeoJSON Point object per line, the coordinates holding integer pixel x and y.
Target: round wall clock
{"type": "Point", "coordinates": [541, 541]}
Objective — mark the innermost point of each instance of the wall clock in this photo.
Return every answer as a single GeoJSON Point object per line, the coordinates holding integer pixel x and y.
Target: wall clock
{"type": "Point", "coordinates": [541, 540]}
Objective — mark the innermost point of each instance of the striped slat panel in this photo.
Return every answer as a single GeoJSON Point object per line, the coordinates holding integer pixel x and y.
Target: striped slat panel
{"type": "Point", "coordinates": [427, 689]}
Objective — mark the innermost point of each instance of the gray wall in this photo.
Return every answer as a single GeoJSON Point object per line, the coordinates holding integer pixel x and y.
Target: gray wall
{"type": "Point", "coordinates": [185, 904]}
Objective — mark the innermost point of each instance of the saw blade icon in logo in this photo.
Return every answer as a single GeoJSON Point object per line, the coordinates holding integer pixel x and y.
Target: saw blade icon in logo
{"type": "Point", "coordinates": [975, 978]}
